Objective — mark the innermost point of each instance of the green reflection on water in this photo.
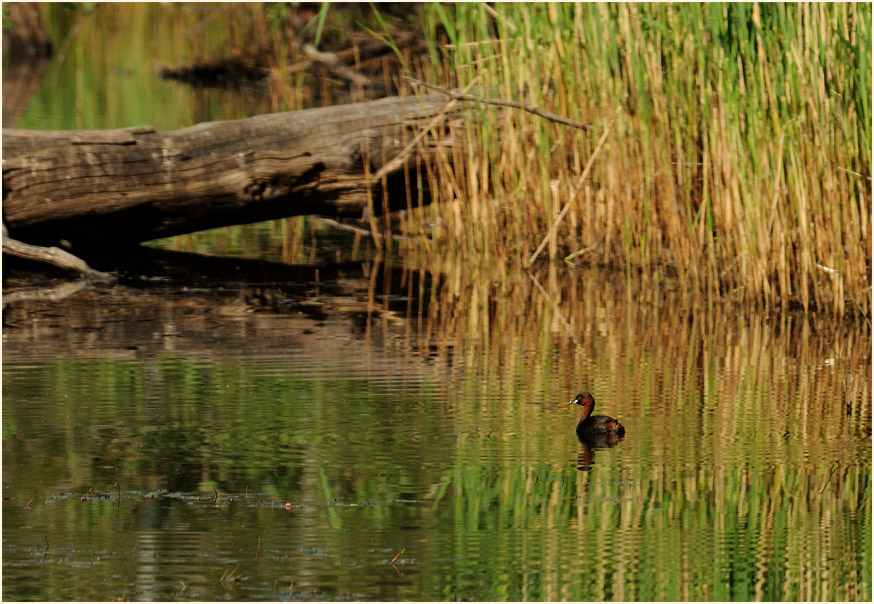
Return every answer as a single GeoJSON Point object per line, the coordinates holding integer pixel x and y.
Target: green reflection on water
{"type": "Point", "coordinates": [494, 511]}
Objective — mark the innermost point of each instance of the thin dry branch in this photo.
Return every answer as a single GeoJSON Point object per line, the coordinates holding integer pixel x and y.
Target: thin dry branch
{"type": "Point", "coordinates": [554, 117]}
{"type": "Point", "coordinates": [576, 194]}
{"type": "Point", "coordinates": [333, 63]}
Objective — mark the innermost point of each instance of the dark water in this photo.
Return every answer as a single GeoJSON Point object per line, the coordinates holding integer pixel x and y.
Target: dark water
{"type": "Point", "coordinates": [343, 425]}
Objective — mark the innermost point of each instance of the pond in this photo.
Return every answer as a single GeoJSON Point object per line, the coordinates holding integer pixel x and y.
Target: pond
{"type": "Point", "coordinates": [395, 434]}
{"type": "Point", "coordinates": [285, 412]}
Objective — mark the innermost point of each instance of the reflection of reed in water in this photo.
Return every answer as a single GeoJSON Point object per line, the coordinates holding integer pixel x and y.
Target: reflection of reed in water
{"type": "Point", "coordinates": [740, 442]}
{"type": "Point", "coordinates": [644, 343]}
{"type": "Point", "coordinates": [713, 374]}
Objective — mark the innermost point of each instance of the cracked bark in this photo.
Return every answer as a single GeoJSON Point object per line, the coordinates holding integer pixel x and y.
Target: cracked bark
{"type": "Point", "coordinates": [135, 184]}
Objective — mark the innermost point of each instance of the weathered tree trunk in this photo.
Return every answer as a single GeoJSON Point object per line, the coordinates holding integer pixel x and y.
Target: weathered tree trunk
{"type": "Point", "coordinates": [135, 184]}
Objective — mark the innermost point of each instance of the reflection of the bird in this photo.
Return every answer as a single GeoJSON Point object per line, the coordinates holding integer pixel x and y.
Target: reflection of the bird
{"type": "Point", "coordinates": [590, 444]}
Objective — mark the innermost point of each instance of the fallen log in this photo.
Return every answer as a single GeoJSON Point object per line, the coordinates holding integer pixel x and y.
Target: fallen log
{"type": "Point", "coordinates": [135, 184]}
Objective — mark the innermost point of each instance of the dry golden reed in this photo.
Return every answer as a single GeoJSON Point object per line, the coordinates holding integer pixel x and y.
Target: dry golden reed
{"type": "Point", "coordinates": [739, 164]}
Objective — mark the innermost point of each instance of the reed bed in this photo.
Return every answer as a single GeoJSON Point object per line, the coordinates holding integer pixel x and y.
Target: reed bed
{"type": "Point", "coordinates": [739, 163]}
{"type": "Point", "coordinates": [738, 166]}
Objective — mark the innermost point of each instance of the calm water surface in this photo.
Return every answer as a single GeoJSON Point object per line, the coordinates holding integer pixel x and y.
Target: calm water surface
{"type": "Point", "coordinates": [395, 428]}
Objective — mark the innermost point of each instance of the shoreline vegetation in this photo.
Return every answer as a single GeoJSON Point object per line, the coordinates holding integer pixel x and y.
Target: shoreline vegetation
{"type": "Point", "coordinates": [735, 139]}
{"type": "Point", "coordinates": [739, 161]}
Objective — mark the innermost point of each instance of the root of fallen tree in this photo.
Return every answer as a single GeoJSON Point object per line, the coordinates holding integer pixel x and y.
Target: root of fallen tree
{"type": "Point", "coordinates": [49, 255]}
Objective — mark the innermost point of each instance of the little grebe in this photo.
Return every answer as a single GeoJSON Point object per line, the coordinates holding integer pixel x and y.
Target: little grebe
{"type": "Point", "coordinates": [594, 425]}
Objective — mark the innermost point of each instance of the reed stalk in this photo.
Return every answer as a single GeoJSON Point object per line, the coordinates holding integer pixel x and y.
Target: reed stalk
{"type": "Point", "coordinates": [740, 165]}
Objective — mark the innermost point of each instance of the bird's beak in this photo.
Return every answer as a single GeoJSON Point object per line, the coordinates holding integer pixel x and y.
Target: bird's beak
{"type": "Point", "coordinates": [572, 401]}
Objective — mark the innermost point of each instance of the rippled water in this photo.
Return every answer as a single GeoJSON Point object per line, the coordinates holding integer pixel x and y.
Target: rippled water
{"type": "Point", "coordinates": [159, 444]}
